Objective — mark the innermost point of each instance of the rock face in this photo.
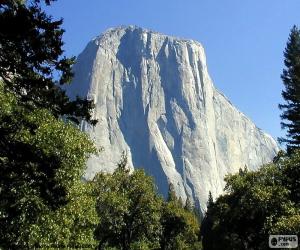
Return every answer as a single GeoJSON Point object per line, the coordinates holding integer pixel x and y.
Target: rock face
{"type": "Point", "coordinates": [155, 100]}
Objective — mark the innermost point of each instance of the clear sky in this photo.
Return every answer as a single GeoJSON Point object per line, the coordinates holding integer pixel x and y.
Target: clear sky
{"type": "Point", "coordinates": [244, 41]}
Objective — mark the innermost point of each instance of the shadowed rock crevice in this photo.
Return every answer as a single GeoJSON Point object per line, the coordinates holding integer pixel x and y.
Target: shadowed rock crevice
{"type": "Point", "coordinates": [133, 120]}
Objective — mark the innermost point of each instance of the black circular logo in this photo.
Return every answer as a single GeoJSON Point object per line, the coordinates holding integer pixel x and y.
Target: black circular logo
{"type": "Point", "coordinates": [274, 241]}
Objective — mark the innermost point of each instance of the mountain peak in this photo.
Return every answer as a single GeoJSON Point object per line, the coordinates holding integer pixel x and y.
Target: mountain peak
{"type": "Point", "coordinates": [155, 100]}
{"type": "Point", "coordinates": [121, 30]}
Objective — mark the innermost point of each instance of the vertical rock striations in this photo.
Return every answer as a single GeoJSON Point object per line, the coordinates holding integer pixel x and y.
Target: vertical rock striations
{"type": "Point", "coordinates": [155, 100]}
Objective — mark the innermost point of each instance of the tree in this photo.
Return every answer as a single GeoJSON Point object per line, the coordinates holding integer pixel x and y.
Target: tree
{"type": "Point", "coordinates": [291, 93]}
{"type": "Point", "coordinates": [180, 224]}
{"type": "Point", "coordinates": [41, 159]}
{"type": "Point", "coordinates": [129, 210]}
{"type": "Point", "coordinates": [210, 200]}
{"type": "Point", "coordinates": [31, 57]}
{"type": "Point", "coordinates": [256, 205]}
{"type": "Point", "coordinates": [180, 228]}
{"type": "Point", "coordinates": [70, 226]}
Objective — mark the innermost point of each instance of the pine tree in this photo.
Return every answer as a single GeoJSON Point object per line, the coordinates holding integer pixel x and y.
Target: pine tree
{"type": "Point", "coordinates": [32, 64]}
{"type": "Point", "coordinates": [291, 93]}
{"type": "Point", "coordinates": [210, 200]}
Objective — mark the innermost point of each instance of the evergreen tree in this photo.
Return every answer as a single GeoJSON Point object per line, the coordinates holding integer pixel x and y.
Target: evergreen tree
{"type": "Point", "coordinates": [210, 199]}
{"type": "Point", "coordinates": [291, 93]}
{"type": "Point", "coordinates": [32, 55]}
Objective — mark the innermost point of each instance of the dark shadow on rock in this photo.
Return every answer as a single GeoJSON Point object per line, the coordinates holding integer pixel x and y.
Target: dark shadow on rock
{"type": "Point", "coordinates": [133, 119]}
{"type": "Point", "coordinates": [172, 86]}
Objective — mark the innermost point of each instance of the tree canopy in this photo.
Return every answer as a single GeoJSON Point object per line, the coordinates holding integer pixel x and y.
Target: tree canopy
{"type": "Point", "coordinates": [257, 204]}
{"type": "Point", "coordinates": [180, 225]}
{"type": "Point", "coordinates": [129, 207]}
{"type": "Point", "coordinates": [133, 216]}
{"type": "Point", "coordinates": [41, 159]}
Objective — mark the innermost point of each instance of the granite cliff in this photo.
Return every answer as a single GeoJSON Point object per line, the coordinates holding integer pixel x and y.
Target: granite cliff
{"type": "Point", "coordinates": [155, 100]}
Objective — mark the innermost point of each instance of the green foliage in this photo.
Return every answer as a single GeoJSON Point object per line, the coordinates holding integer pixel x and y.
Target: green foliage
{"type": "Point", "coordinates": [32, 65]}
{"type": "Point", "coordinates": [133, 216]}
{"type": "Point", "coordinates": [291, 93]}
{"type": "Point", "coordinates": [256, 205]}
{"type": "Point", "coordinates": [72, 225]}
{"type": "Point", "coordinates": [180, 224]}
{"type": "Point", "coordinates": [41, 159]}
{"type": "Point", "coordinates": [129, 210]}
{"type": "Point", "coordinates": [45, 204]}
{"type": "Point", "coordinates": [180, 228]}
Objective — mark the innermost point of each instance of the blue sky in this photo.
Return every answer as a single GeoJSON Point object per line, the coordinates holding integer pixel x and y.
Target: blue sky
{"type": "Point", "coordinates": [243, 39]}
